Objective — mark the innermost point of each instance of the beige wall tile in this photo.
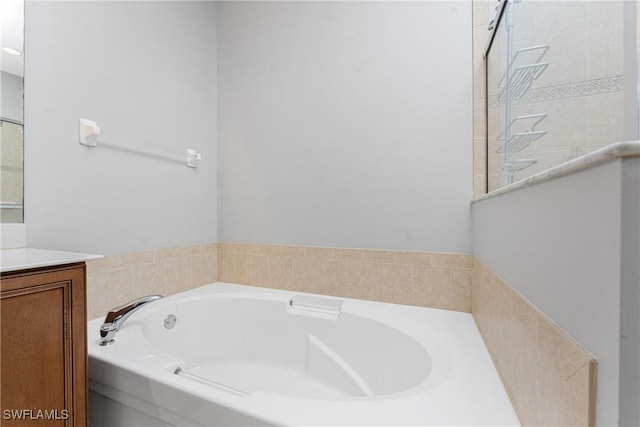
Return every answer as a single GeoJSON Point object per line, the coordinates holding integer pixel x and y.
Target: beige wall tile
{"type": "Point", "coordinates": [319, 252]}
{"type": "Point", "coordinates": [432, 286]}
{"type": "Point", "coordinates": [362, 280]}
{"type": "Point", "coordinates": [479, 121]}
{"type": "Point", "coordinates": [225, 247]}
{"type": "Point", "coordinates": [605, 119]}
{"type": "Point", "coordinates": [232, 248]}
{"type": "Point", "coordinates": [269, 250]}
{"type": "Point", "coordinates": [347, 254]}
{"type": "Point", "coordinates": [247, 248]}
{"type": "Point", "coordinates": [479, 82]}
{"type": "Point", "coordinates": [332, 277]}
{"type": "Point", "coordinates": [370, 274]}
{"type": "Point", "coordinates": [396, 283]}
{"type": "Point", "coordinates": [478, 296]}
{"type": "Point", "coordinates": [421, 258]}
{"type": "Point", "coordinates": [223, 271]}
{"type": "Point", "coordinates": [106, 263]}
{"type": "Point", "coordinates": [526, 315]}
{"type": "Point", "coordinates": [461, 289]}
{"type": "Point", "coordinates": [167, 253]}
{"type": "Point", "coordinates": [606, 44]}
{"type": "Point", "coordinates": [258, 270]}
{"type": "Point", "coordinates": [136, 258]}
{"type": "Point", "coordinates": [582, 410]}
{"type": "Point", "coordinates": [237, 268]}
{"type": "Point", "coordinates": [379, 256]}
{"type": "Point", "coordinates": [177, 275]}
{"type": "Point", "coordinates": [149, 280]}
{"type": "Point", "coordinates": [292, 251]}
{"type": "Point", "coordinates": [202, 268]}
{"type": "Point", "coordinates": [194, 249]}
{"type": "Point", "coordinates": [480, 12]}
{"type": "Point", "coordinates": [479, 156]}
{"type": "Point", "coordinates": [549, 377]}
{"type": "Point", "coordinates": [305, 273]}
{"type": "Point", "coordinates": [108, 289]}
{"type": "Point", "coordinates": [479, 185]}
{"type": "Point", "coordinates": [117, 279]}
{"type": "Point", "coordinates": [452, 260]}
{"type": "Point", "coordinates": [563, 354]}
{"type": "Point", "coordinates": [280, 272]}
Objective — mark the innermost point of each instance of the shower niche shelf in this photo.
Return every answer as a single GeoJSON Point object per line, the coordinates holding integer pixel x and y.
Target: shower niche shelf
{"type": "Point", "coordinates": [517, 80]}
{"type": "Point", "coordinates": [522, 132]}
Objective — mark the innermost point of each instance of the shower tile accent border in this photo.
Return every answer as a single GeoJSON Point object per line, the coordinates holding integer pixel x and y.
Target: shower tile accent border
{"type": "Point", "coordinates": [549, 377]}
{"type": "Point", "coordinates": [437, 280]}
{"type": "Point", "coordinates": [117, 279]}
{"type": "Point", "coordinates": [567, 90]}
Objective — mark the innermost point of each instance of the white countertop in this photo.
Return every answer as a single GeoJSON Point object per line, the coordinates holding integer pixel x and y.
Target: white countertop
{"type": "Point", "coordinates": [25, 258]}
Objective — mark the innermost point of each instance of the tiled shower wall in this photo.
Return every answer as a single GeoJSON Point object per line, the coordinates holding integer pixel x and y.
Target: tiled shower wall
{"type": "Point", "coordinates": [581, 90]}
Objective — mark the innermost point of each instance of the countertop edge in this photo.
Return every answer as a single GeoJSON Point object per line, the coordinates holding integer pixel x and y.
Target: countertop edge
{"type": "Point", "coordinates": [589, 160]}
{"type": "Point", "coordinates": [28, 258]}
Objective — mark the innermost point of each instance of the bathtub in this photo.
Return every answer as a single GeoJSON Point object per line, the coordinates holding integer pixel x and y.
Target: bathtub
{"type": "Point", "coordinates": [224, 355]}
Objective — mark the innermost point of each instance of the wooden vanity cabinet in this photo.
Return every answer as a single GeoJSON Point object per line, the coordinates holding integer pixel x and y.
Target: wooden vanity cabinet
{"type": "Point", "coordinates": [43, 350]}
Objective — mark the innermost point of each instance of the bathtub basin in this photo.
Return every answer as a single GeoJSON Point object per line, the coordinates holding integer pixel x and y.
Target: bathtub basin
{"type": "Point", "coordinates": [228, 354]}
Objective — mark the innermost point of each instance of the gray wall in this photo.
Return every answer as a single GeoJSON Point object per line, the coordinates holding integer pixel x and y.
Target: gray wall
{"type": "Point", "coordinates": [559, 244]}
{"type": "Point", "coordinates": [146, 72]}
{"type": "Point", "coordinates": [11, 102]}
{"type": "Point", "coordinates": [346, 124]}
{"type": "Point", "coordinates": [630, 306]}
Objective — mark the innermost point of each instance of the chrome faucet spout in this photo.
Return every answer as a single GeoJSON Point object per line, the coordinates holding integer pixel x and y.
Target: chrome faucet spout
{"type": "Point", "coordinates": [117, 316]}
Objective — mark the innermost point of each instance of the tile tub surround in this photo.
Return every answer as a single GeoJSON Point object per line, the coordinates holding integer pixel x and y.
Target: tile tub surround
{"type": "Point", "coordinates": [437, 280]}
{"type": "Point", "coordinates": [117, 279]}
{"type": "Point", "coordinates": [549, 377]}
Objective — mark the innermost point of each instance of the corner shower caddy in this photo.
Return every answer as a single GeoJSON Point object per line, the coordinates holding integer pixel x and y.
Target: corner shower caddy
{"type": "Point", "coordinates": [524, 66]}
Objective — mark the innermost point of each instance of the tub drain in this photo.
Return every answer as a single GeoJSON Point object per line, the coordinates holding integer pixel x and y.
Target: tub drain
{"type": "Point", "coordinates": [170, 321]}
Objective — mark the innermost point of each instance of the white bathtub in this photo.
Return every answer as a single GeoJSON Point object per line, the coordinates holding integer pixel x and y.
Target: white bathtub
{"type": "Point", "coordinates": [239, 355]}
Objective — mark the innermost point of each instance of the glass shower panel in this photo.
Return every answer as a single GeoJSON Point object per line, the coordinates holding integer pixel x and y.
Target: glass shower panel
{"type": "Point", "coordinates": [554, 85]}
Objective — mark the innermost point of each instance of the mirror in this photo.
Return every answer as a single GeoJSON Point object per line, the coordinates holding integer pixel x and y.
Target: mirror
{"type": "Point", "coordinates": [11, 111]}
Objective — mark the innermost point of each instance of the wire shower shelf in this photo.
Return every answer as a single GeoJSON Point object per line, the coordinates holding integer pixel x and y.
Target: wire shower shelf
{"type": "Point", "coordinates": [516, 165]}
{"type": "Point", "coordinates": [518, 78]}
{"type": "Point", "coordinates": [520, 140]}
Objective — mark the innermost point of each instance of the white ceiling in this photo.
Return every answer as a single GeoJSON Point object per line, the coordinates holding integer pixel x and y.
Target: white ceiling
{"type": "Point", "coordinates": [12, 35]}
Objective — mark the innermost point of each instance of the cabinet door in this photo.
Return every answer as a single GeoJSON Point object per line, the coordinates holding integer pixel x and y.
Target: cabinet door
{"type": "Point", "coordinates": [43, 348]}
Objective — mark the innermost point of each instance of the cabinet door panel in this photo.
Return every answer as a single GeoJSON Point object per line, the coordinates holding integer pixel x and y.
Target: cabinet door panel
{"type": "Point", "coordinates": [43, 374]}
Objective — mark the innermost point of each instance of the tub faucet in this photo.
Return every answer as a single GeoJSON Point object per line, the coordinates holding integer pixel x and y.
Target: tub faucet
{"type": "Point", "coordinates": [116, 317]}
